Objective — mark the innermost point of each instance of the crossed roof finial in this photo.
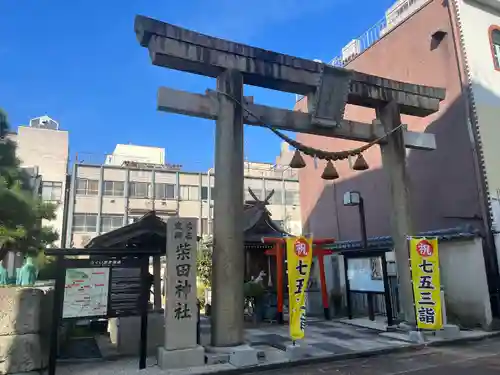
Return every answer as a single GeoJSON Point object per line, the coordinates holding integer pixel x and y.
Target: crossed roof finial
{"type": "Point", "coordinates": [257, 201]}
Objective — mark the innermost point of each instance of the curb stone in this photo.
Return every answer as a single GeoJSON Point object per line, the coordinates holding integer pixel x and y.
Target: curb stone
{"type": "Point", "coordinates": [346, 356]}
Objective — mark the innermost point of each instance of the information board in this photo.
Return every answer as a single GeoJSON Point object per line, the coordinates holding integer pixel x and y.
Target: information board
{"type": "Point", "coordinates": [125, 291]}
{"type": "Point", "coordinates": [86, 292]}
{"type": "Point", "coordinates": [104, 287]}
{"type": "Point", "coordinates": [362, 278]}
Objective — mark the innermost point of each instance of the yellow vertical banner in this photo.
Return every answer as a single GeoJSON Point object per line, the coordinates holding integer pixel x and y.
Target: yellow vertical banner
{"type": "Point", "coordinates": [424, 257]}
{"type": "Point", "coordinates": [299, 258]}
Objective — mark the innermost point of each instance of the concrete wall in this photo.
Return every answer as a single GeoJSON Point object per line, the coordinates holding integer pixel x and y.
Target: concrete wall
{"type": "Point", "coordinates": [463, 276]}
{"type": "Point", "coordinates": [144, 154]}
{"type": "Point", "coordinates": [439, 179]}
{"type": "Point", "coordinates": [477, 21]}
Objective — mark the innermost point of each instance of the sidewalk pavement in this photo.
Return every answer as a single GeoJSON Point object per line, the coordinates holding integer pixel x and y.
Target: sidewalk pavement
{"type": "Point", "coordinates": [478, 358]}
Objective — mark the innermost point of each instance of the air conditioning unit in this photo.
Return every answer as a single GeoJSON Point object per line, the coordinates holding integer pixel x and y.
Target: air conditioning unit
{"type": "Point", "coordinates": [352, 49]}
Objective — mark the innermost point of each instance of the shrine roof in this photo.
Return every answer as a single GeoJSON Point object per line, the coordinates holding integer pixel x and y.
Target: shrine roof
{"type": "Point", "coordinates": [149, 230]}
{"type": "Point", "coordinates": [384, 242]}
{"type": "Point", "coordinates": [257, 223]}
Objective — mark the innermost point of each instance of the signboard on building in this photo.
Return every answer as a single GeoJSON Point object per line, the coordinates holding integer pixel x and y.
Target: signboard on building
{"type": "Point", "coordinates": [299, 259]}
{"type": "Point", "coordinates": [106, 287]}
{"type": "Point", "coordinates": [424, 257]}
{"type": "Point", "coordinates": [181, 304]}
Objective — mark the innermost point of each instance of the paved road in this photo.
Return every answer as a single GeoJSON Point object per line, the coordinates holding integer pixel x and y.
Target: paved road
{"type": "Point", "coordinates": [477, 358]}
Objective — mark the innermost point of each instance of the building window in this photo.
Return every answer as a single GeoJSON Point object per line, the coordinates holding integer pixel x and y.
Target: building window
{"type": "Point", "coordinates": [111, 222]}
{"type": "Point", "coordinates": [165, 217]}
{"type": "Point", "coordinates": [164, 191]}
{"type": "Point", "coordinates": [204, 193]}
{"type": "Point", "coordinates": [139, 189]}
{"type": "Point", "coordinates": [87, 187]}
{"type": "Point", "coordinates": [248, 196]}
{"type": "Point", "coordinates": [276, 197]}
{"type": "Point", "coordinates": [292, 198]}
{"type": "Point", "coordinates": [114, 188]}
{"type": "Point", "coordinates": [204, 226]}
{"type": "Point", "coordinates": [189, 192]}
{"type": "Point", "coordinates": [85, 223]}
{"type": "Point", "coordinates": [51, 191]}
{"type": "Point", "coordinates": [495, 45]}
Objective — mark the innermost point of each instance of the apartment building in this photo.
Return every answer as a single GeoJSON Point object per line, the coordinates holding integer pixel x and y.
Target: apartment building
{"type": "Point", "coordinates": [134, 180]}
{"type": "Point", "coordinates": [43, 149]}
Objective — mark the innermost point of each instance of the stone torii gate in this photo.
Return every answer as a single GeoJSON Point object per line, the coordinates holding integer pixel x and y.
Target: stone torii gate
{"type": "Point", "coordinates": [328, 89]}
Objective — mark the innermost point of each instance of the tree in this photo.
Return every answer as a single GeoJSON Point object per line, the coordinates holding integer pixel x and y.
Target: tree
{"type": "Point", "coordinates": [204, 262]}
{"type": "Point", "coordinates": [21, 208]}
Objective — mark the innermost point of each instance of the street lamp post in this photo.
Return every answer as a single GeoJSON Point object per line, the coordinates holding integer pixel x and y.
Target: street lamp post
{"type": "Point", "coordinates": [354, 198]}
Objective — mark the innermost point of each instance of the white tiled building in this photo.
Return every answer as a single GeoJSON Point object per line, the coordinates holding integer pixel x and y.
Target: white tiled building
{"type": "Point", "coordinates": [135, 180]}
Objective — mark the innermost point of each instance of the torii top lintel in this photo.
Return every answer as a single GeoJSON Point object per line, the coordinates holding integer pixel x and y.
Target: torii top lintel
{"type": "Point", "coordinates": [181, 49]}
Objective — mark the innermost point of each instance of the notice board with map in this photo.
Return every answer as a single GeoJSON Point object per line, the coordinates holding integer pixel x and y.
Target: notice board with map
{"type": "Point", "coordinates": [104, 287]}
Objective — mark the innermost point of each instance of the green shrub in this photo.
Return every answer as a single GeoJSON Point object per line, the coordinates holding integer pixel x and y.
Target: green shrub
{"type": "Point", "coordinates": [47, 268]}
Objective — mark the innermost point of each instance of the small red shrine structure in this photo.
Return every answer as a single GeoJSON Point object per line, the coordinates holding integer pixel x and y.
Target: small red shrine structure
{"type": "Point", "coordinates": [278, 251]}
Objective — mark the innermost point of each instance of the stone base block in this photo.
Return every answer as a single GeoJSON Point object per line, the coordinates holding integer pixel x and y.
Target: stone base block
{"type": "Point", "coordinates": [405, 327]}
{"type": "Point", "coordinates": [296, 352]}
{"type": "Point", "coordinates": [243, 356]}
{"type": "Point", "coordinates": [181, 358]}
{"type": "Point", "coordinates": [20, 353]}
{"type": "Point", "coordinates": [20, 310]}
{"type": "Point", "coordinates": [124, 333]}
{"type": "Point", "coordinates": [238, 356]}
{"type": "Point", "coordinates": [449, 331]}
{"type": "Point", "coordinates": [215, 358]}
{"type": "Point", "coordinates": [416, 337]}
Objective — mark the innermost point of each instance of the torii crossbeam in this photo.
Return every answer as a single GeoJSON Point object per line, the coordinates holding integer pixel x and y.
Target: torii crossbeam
{"type": "Point", "coordinates": [328, 89]}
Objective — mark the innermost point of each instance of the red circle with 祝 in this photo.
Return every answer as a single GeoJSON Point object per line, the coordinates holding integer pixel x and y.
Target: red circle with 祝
{"type": "Point", "coordinates": [425, 248]}
{"type": "Point", "coordinates": [301, 248]}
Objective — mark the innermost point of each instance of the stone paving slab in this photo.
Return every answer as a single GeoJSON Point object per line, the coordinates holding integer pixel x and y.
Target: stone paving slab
{"type": "Point", "coordinates": [405, 359]}
{"type": "Point", "coordinates": [478, 358]}
{"type": "Point", "coordinates": [327, 341]}
{"type": "Point", "coordinates": [323, 337]}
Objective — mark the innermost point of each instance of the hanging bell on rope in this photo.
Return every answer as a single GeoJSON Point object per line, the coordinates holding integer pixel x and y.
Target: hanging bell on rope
{"type": "Point", "coordinates": [360, 164]}
{"type": "Point", "coordinates": [297, 161]}
{"type": "Point", "coordinates": [330, 172]}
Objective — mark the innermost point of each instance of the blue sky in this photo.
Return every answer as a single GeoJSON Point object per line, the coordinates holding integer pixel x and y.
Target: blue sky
{"type": "Point", "coordinates": [78, 61]}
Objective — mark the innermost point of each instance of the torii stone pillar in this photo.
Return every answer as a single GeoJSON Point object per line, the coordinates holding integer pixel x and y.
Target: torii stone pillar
{"type": "Point", "coordinates": [394, 164]}
{"type": "Point", "coordinates": [228, 259]}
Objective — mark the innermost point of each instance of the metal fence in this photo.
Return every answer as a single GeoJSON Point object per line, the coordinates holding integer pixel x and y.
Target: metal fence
{"type": "Point", "coordinates": [364, 41]}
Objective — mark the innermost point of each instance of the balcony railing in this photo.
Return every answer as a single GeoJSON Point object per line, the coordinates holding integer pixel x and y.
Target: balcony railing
{"type": "Point", "coordinates": [394, 16]}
